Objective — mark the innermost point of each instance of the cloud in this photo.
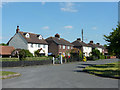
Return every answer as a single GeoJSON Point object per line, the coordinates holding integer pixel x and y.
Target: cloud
{"type": "Point", "coordinates": [43, 3]}
{"type": "Point", "coordinates": [68, 7]}
{"type": "Point", "coordinates": [46, 27]}
{"type": "Point", "coordinates": [94, 28]}
{"type": "Point", "coordinates": [68, 27]}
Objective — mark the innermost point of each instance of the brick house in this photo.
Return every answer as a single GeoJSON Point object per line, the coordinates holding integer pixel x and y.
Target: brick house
{"type": "Point", "coordinates": [58, 46]}
{"type": "Point", "coordinates": [85, 48]}
{"type": "Point", "coordinates": [6, 51]}
{"type": "Point", "coordinates": [101, 48]}
{"type": "Point", "coordinates": [29, 41]}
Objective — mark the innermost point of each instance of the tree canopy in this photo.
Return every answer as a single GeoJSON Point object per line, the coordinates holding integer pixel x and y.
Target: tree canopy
{"type": "Point", "coordinates": [113, 40]}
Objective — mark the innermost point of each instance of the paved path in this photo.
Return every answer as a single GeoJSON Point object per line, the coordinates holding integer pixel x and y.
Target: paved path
{"type": "Point", "coordinates": [59, 76]}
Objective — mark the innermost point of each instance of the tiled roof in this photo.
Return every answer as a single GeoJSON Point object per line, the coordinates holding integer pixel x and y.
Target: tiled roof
{"type": "Point", "coordinates": [59, 41]}
{"type": "Point", "coordinates": [33, 38]}
{"type": "Point", "coordinates": [6, 50]}
{"type": "Point", "coordinates": [79, 43]}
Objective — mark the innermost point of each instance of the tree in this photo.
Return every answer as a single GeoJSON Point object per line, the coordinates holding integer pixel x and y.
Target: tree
{"type": "Point", "coordinates": [24, 53]}
{"type": "Point", "coordinates": [3, 44]}
{"type": "Point", "coordinates": [113, 40]}
{"type": "Point", "coordinates": [37, 53]}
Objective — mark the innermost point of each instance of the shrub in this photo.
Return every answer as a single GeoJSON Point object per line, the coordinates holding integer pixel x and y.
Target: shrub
{"type": "Point", "coordinates": [36, 58]}
{"type": "Point", "coordinates": [24, 53]}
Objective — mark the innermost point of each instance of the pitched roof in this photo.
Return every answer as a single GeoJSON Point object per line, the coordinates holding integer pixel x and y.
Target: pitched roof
{"type": "Point", "coordinates": [33, 38]}
{"type": "Point", "coordinates": [6, 50]}
{"type": "Point", "coordinates": [59, 41]}
{"type": "Point", "coordinates": [79, 43]}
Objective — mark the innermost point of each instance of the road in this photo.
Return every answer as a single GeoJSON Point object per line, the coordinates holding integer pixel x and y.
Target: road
{"type": "Point", "coordinates": [68, 75]}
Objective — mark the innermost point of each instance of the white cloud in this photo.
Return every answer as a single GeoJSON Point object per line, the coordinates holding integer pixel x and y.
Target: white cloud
{"type": "Point", "coordinates": [68, 27]}
{"type": "Point", "coordinates": [43, 3]}
{"type": "Point", "coordinates": [46, 27]}
{"type": "Point", "coordinates": [68, 7]}
{"type": "Point", "coordinates": [94, 28]}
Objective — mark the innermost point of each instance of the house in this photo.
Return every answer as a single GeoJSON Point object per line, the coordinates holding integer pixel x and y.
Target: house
{"type": "Point", "coordinates": [6, 51]}
{"type": "Point", "coordinates": [85, 48]}
{"type": "Point", "coordinates": [59, 46]}
{"type": "Point", "coordinates": [101, 48]}
{"type": "Point", "coordinates": [29, 41]}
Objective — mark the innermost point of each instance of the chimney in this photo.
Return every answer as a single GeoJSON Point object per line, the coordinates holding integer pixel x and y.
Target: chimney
{"type": "Point", "coordinates": [17, 30]}
{"type": "Point", "coordinates": [57, 35]}
{"type": "Point", "coordinates": [91, 42]}
{"type": "Point", "coordinates": [79, 39]}
{"type": "Point", "coordinates": [98, 43]}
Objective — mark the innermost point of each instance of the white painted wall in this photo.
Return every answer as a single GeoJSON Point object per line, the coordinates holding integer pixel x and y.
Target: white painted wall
{"type": "Point", "coordinates": [100, 49]}
{"type": "Point", "coordinates": [87, 50]}
{"type": "Point", "coordinates": [35, 48]}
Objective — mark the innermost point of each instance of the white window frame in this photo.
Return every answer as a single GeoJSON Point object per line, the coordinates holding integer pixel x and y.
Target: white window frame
{"type": "Point", "coordinates": [63, 46]}
{"type": "Point", "coordinates": [68, 47]}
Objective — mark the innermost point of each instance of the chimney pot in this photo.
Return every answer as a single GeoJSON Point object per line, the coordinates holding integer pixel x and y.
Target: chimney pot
{"type": "Point", "coordinates": [57, 35]}
{"type": "Point", "coordinates": [79, 39]}
{"type": "Point", "coordinates": [91, 41]}
{"type": "Point", "coordinates": [17, 30]}
{"type": "Point", "coordinates": [98, 43]}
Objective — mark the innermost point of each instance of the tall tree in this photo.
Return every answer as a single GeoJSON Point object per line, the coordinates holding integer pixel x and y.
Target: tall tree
{"type": "Point", "coordinates": [113, 40]}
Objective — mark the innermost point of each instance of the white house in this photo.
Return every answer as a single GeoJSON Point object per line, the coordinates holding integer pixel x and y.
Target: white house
{"type": "Point", "coordinates": [29, 41]}
{"type": "Point", "coordinates": [101, 48]}
{"type": "Point", "coordinates": [85, 48]}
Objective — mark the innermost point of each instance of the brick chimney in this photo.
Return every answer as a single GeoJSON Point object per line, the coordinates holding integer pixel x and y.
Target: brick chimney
{"type": "Point", "coordinates": [17, 30]}
{"type": "Point", "coordinates": [79, 39]}
{"type": "Point", "coordinates": [91, 42]}
{"type": "Point", "coordinates": [98, 43]}
{"type": "Point", "coordinates": [57, 35]}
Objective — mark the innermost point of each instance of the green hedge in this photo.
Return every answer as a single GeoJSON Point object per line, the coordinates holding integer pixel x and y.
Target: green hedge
{"type": "Point", "coordinates": [36, 58]}
{"type": "Point", "coordinates": [9, 59]}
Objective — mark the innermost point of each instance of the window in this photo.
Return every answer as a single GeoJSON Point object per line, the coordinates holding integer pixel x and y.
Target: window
{"type": "Point", "coordinates": [43, 46]}
{"type": "Point", "coordinates": [32, 45]}
{"type": "Point", "coordinates": [71, 47]}
{"type": "Point", "coordinates": [39, 45]}
{"type": "Point", "coordinates": [27, 35]}
{"type": "Point", "coordinates": [63, 46]}
{"type": "Point", "coordinates": [68, 47]}
{"type": "Point", "coordinates": [60, 46]}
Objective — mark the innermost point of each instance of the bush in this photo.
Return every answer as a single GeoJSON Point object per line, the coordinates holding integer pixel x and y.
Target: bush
{"type": "Point", "coordinates": [9, 59]}
{"type": "Point", "coordinates": [24, 53]}
{"type": "Point", "coordinates": [36, 58]}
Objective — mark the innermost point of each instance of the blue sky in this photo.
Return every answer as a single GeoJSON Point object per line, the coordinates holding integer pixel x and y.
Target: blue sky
{"type": "Point", "coordinates": [67, 19]}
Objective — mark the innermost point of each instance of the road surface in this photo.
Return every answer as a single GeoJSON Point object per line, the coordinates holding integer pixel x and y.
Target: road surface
{"type": "Point", "coordinates": [68, 75]}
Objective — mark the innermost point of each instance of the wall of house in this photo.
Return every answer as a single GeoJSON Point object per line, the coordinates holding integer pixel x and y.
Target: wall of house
{"type": "Point", "coordinates": [35, 48]}
{"type": "Point", "coordinates": [100, 49]}
{"type": "Point", "coordinates": [65, 51]}
{"type": "Point", "coordinates": [18, 42]}
{"type": "Point", "coordinates": [53, 48]}
{"type": "Point", "coordinates": [87, 51]}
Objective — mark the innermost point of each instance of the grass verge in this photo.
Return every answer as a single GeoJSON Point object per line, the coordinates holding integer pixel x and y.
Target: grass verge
{"type": "Point", "coordinates": [8, 74]}
{"type": "Point", "coordinates": [111, 70]}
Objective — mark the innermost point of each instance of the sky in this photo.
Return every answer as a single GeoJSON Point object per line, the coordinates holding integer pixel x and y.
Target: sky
{"type": "Point", "coordinates": [67, 19]}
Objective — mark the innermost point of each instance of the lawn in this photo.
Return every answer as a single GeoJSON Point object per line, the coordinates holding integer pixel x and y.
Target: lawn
{"type": "Point", "coordinates": [106, 70]}
{"type": "Point", "coordinates": [8, 74]}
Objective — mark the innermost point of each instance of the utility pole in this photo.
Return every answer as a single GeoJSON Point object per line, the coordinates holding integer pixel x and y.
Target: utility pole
{"type": "Point", "coordinates": [82, 35]}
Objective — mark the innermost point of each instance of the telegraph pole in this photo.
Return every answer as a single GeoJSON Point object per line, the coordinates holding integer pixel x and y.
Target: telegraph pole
{"type": "Point", "coordinates": [82, 35]}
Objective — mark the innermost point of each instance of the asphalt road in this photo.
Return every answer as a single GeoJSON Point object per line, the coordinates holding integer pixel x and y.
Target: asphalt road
{"type": "Point", "coordinates": [59, 76]}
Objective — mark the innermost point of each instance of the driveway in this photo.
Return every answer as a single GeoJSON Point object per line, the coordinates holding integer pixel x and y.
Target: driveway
{"type": "Point", "coordinates": [68, 75]}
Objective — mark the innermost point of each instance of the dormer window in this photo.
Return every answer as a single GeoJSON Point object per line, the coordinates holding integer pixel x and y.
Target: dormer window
{"type": "Point", "coordinates": [27, 35]}
{"type": "Point", "coordinates": [39, 36]}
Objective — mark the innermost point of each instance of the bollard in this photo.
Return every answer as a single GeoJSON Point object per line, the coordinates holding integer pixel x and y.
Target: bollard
{"type": "Point", "coordinates": [53, 60]}
{"type": "Point", "coordinates": [61, 60]}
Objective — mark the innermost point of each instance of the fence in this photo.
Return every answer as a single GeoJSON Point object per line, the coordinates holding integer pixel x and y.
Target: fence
{"type": "Point", "coordinates": [24, 63]}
